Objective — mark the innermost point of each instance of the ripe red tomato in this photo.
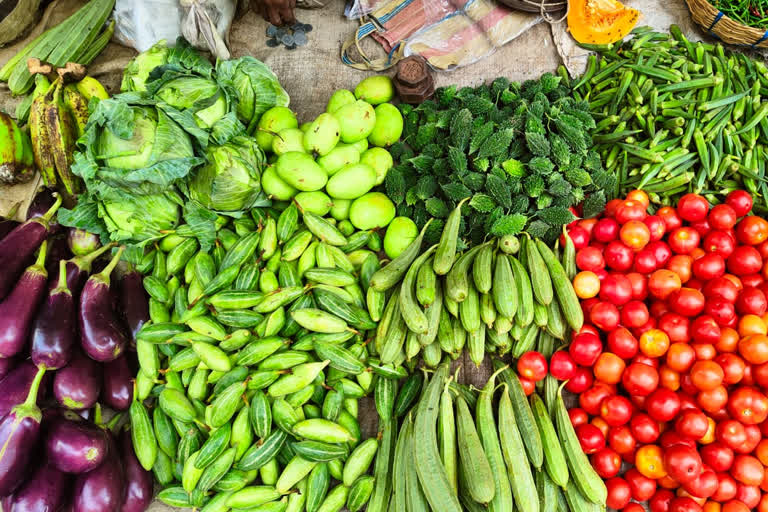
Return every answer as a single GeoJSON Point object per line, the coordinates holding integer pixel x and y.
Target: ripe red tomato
{"type": "Point", "coordinates": [578, 235]}
{"type": "Point", "coordinates": [692, 424]}
{"type": "Point", "coordinates": [619, 493]}
{"type": "Point", "coordinates": [687, 302]}
{"type": "Point", "coordinates": [692, 207]}
{"type": "Point", "coordinates": [748, 405]}
{"type": "Point", "coordinates": [747, 470]}
{"type": "Point", "coordinates": [752, 280]}
{"type": "Point", "coordinates": [645, 261]}
{"type": "Point", "coordinates": [585, 348]}
{"type": "Point", "coordinates": [561, 365]}
{"type": "Point", "coordinates": [683, 240]}
{"type": "Point", "coordinates": [754, 348]}
{"type": "Point", "coordinates": [629, 210]}
{"type": "Point", "coordinates": [731, 433]}
{"type": "Point", "coordinates": [618, 256]}
{"type": "Point", "coordinates": [580, 382]}
{"type": "Point", "coordinates": [733, 367]}
{"type": "Point", "coordinates": [640, 379]}
{"type": "Point", "coordinates": [616, 288]}
{"type": "Point", "coordinates": [726, 488]}
{"type": "Point", "coordinates": [528, 385]}
{"type": "Point", "coordinates": [635, 234]}
{"type": "Point", "coordinates": [590, 438]}
{"type": "Point", "coordinates": [605, 316]}
{"type": "Point", "coordinates": [752, 230]}
{"type": "Point", "coordinates": [684, 504]}
{"type": "Point", "coordinates": [532, 365]}
{"type": "Point", "coordinates": [605, 230]}
{"type": "Point", "coordinates": [591, 399]}
{"type": "Point", "coordinates": [608, 368]}
{"type": "Point", "coordinates": [704, 485]}
{"type": "Point", "coordinates": [661, 500]}
{"type": "Point", "coordinates": [734, 506]}
{"type": "Point", "coordinates": [749, 495]}
{"type": "Point", "coordinates": [723, 311]}
{"type": "Point", "coordinates": [722, 287]}
{"type": "Point", "coordinates": [680, 357]}
{"type": "Point", "coordinates": [590, 258]}
{"type": "Point", "coordinates": [644, 428]}
{"type": "Point", "coordinates": [661, 252]}
{"type": "Point", "coordinates": [681, 264]}
{"type": "Point", "coordinates": [662, 283]}
{"type": "Point", "coordinates": [639, 285]}
{"type": "Point", "coordinates": [717, 455]}
{"type": "Point", "coordinates": [656, 227]}
{"type": "Point", "coordinates": [709, 266]}
{"type": "Point", "coordinates": [713, 400]}
{"type": "Point", "coordinates": [676, 326]}
{"type": "Point", "coordinates": [578, 416]}
{"type": "Point", "coordinates": [706, 375]}
{"type": "Point", "coordinates": [702, 227]}
{"type": "Point", "coordinates": [670, 217]}
{"type": "Point", "coordinates": [620, 439]}
{"type": "Point", "coordinates": [751, 301]}
{"type": "Point", "coordinates": [606, 462]}
{"type": "Point", "coordinates": [719, 242]}
{"type": "Point", "coordinates": [616, 410]}
{"type": "Point", "coordinates": [635, 314]}
{"type": "Point", "coordinates": [740, 201]}
{"type": "Point", "coordinates": [704, 329]}
{"type": "Point", "coordinates": [683, 463]}
{"type": "Point", "coordinates": [722, 216]}
{"type": "Point", "coordinates": [641, 486]}
{"type": "Point", "coordinates": [745, 260]}
{"type": "Point", "coordinates": [663, 404]}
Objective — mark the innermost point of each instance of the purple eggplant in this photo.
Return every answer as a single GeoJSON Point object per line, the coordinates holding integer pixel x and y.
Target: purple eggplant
{"type": "Point", "coordinates": [17, 311]}
{"type": "Point", "coordinates": [41, 203]}
{"type": "Point", "coordinates": [6, 366]}
{"type": "Point", "coordinates": [19, 434]}
{"type": "Point", "coordinates": [75, 445]}
{"type": "Point", "coordinates": [53, 333]}
{"type": "Point", "coordinates": [138, 481]}
{"type": "Point", "coordinates": [132, 298]}
{"type": "Point", "coordinates": [7, 223]}
{"type": "Point", "coordinates": [81, 242]}
{"type": "Point", "coordinates": [117, 384]}
{"type": "Point", "coordinates": [101, 490]}
{"type": "Point", "coordinates": [15, 387]}
{"type": "Point", "coordinates": [77, 385]}
{"type": "Point", "coordinates": [19, 245]}
{"type": "Point", "coordinates": [44, 491]}
{"type": "Point", "coordinates": [102, 334]}
{"type": "Point", "coordinates": [57, 251]}
{"type": "Point", "coordinates": [79, 267]}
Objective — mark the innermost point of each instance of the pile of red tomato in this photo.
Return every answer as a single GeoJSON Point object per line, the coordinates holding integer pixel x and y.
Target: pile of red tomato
{"type": "Point", "coordinates": [671, 367]}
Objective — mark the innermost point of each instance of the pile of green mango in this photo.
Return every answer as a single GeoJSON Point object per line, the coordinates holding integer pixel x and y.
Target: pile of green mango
{"type": "Point", "coordinates": [331, 164]}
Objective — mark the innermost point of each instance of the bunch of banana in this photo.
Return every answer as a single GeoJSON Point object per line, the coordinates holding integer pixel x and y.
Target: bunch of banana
{"type": "Point", "coordinates": [57, 118]}
{"type": "Point", "coordinates": [16, 159]}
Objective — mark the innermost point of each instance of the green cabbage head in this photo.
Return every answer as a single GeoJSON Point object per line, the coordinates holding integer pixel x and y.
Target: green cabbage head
{"type": "Point", "coordinates": [257, 87]}
{"type": "Point", "coordinates": [231, 180]}
{"type": "Point", "coordinates": [138, 70]}
{"type": "Point", "coordinates": [139, 218]}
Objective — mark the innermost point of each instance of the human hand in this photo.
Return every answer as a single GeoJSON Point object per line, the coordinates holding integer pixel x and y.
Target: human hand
{"type": "Point", "coordinates": [277, 12]}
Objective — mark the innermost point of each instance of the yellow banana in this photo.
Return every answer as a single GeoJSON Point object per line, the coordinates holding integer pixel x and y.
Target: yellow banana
{"type": "Point", "coordinates": [39, 133]}
{"type": "Point", "coordinates": [61, 134]}
{"type": "Point", "coordinates": [77, 106]}
{"type": "Point", "coordinates": [16, 159]}
{"type": "Point", "coordinates": [89, 87]}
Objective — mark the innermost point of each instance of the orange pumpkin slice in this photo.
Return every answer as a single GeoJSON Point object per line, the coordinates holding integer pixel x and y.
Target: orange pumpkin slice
{"type": "Point", "coordinates": [600, 21]}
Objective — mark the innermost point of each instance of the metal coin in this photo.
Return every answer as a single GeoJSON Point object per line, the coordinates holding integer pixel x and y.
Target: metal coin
{"type": "Point", "coordinates": [287, 40]}
{"type": "Point", "coordinates": [300, 38]}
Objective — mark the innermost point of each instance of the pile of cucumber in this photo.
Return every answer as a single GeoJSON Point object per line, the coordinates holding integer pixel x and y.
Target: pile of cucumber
{"type": "Point", "coordinates": [455, 450]}
{"type": "Point", "coordinates": [505, 295]}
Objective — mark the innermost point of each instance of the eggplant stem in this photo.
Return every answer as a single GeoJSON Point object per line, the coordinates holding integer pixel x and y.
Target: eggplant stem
{"type": "Point", "coordinates": [84, 262]}
{"type": "Point", "coordinates": [112, 423]}
{"type": "Point", "coordinates": [97, 419]}
{"type": "Point", "coordinates": [40, 262]}
{"type": "Point", "coordinates": [62, 284]}
{"type": "Point", "coordinates": [46, 218]}
{"type": "Point", "coordinates": [104, 274]}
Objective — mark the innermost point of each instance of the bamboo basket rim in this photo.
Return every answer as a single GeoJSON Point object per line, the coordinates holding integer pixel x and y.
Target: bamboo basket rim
{"type": "Point", "coordinates": [728, 30]}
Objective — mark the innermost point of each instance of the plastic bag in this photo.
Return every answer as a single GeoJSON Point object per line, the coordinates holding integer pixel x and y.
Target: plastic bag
{"type": "Point", "coordinates": [448, 33]}
{"type": "Point", "coordinates": [204, 23]}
